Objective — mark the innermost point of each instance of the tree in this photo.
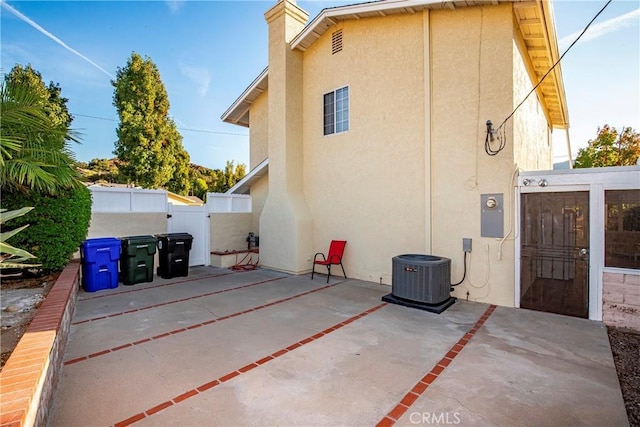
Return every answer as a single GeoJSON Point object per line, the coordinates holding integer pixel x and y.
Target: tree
{"type": "Point", "coordinates": [102, 170]}
{"type": "Point", "coordinates": [149, 144]}
{"type": "Point", "coordinates": [38, 169]}
{"type": "Point", "coordinates": [610, 149]}
{"type": "Point", "coordinates": [199, 188]}
{"type": "Point", "coordinates": [35, 134]}
{"type": "Point", "coordinates": [226, 179]}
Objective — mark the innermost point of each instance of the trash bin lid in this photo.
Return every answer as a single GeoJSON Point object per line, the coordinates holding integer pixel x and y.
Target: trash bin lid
{"type": "Point", "coordinates": [91, 249]}
{"type": "Point", "coordinates": [131, 245]}
{"type": "Point", "coordinates": [101, 241]}
{"type": "Point", "coordinates": [136, 239]}
{"type": "Point", "coordinates": [175, 236]}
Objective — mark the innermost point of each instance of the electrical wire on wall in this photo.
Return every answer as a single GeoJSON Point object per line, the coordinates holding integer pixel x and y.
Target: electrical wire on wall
{"type": "Point", "coordinates": [500, 132]}
{"type": "Point", "coordinates": [492, 134]}
{"type": "Point", "coordinates": [464, 274]}
{"type": "Point", "coordinates": [487, 265]}
{"type": "Point", "coordinates": [486, 281]}
{"type": "Point", "coordinates": [472, 182]}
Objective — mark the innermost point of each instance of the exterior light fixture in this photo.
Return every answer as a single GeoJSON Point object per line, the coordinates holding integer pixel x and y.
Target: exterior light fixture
{"type": "Point", "coordinates": [543, 183]}
{"type": "Point", "coordinates": [527, 181]}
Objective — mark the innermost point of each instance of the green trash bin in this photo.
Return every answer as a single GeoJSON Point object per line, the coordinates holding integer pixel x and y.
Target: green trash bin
{"type": "Point", "coordinates": [136, 259]}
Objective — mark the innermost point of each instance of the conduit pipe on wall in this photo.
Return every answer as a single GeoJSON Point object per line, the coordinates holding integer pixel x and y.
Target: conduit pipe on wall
{"type": "Point", "coordinates": [510, 229]}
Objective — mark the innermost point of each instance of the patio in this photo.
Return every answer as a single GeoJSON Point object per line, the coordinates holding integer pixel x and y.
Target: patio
{"type": "Point", "coordinates": [264, 348]}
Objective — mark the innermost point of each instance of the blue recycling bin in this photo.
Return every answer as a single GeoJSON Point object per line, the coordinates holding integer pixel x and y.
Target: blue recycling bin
{"type": "Point", "coordinates": [99, 259]}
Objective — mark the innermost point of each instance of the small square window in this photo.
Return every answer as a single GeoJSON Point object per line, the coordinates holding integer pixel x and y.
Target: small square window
{"type": "Point", "coordinates": [336, 111]}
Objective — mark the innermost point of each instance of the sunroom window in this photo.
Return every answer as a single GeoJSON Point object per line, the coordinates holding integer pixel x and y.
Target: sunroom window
{"type": "Point", "coordinates": [622, 229]}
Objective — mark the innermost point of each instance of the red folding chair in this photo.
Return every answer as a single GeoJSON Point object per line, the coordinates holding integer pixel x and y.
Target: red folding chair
{"type": "Point", "coordinates": [334, 257]}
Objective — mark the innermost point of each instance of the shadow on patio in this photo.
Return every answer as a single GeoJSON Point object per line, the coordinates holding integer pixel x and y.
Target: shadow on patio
{"type": "Point", "coordinates": [265, 348]}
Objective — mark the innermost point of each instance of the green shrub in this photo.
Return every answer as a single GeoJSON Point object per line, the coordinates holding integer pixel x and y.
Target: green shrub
{"type": "Point", "coordinates": [59, 224]}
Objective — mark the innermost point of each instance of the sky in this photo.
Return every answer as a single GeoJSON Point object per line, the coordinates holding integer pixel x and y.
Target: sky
{"type": "Point", "coordinates": [208, 52]}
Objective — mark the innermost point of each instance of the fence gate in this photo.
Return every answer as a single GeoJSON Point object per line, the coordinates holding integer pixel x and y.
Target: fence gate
{"type": "Point", "coordinates": [195, 221]}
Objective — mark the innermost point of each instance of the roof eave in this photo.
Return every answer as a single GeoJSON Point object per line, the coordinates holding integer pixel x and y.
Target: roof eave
{"type": "Point", "coordinates": [244, 185]}
{"type": "Point", "coordinates": [237, 113]}
{"type": "Point", "coordinates": [301, 41]}
{"type": "Point", "coordinates": [557, 114]}
{"type": "Point", "coordinates": [536, 25]}
{"type": "Point", "coordinates": [547, 11]}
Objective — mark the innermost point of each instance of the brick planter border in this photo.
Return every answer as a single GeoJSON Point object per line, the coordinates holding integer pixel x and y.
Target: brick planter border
{"type": "Point", "coordinates": [29, 377]}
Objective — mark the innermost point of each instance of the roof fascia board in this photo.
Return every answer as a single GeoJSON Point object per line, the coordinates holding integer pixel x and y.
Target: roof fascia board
{"type": "Point", "coordinates": [354, 9]}
{"type": "Point", "coordinates": [254, 86]}
{"type": "Point", "coordinates": [330, 14]}
{"type": "Point", "coordinates": [179, 197]}
{"type": "Point", "coordinates": [549, 27]}
{"type": "Point", "coordinates": [248, 178]}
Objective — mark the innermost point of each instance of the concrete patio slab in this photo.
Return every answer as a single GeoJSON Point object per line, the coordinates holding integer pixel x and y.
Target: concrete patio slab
{"type": "Point", "coordinates": [264, 348]}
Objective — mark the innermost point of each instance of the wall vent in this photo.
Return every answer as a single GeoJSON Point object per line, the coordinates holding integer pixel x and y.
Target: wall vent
{"type": "Point", "coordinates": [336, 42]}
{"type": "Point", "coordinates": [421, 278]}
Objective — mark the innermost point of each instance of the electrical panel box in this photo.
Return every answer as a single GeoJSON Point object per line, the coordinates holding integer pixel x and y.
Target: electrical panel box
{"type": "Point", "coordinates": [492, 215]}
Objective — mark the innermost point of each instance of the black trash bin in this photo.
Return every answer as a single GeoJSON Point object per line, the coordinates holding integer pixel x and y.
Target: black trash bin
{"type": "Point", "coordinates": [173, 254]}
{"type": "Point", "coordinates": [136, 259]}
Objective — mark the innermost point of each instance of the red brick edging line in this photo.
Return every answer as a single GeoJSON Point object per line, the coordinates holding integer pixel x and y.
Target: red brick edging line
{"type": "Point", "coordinates": [197, 325]}
{"type": "Point", "coordinates": [208, 294]}
{"type": "Point", "coordinates": [191, 279]}
{"type": "Point", "coordinates": [28, 379]}
{"type": "Point", "coordinates": [206, 386]}
{"type": "Point", "coordinates": [422, 385]}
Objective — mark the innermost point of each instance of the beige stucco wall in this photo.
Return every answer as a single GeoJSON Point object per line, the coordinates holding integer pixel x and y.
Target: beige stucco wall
{"type": "Point", "coordinates": [472, 80]}
{"type": "Point", "coordinates": [532, 136]}
{"type": "Point", "coordinates": [259, 192]}
{"type": "Point", "coordinates": [285, 222]}
{"type": "Point", "coordinates": [259, 136]}
{"type": "Point", "coordinates": [402, 180]}
{"type": "Point", "coordinates": [259, 130]}
{"type": "Point", "coordinates": [366, 185]}
{"type": "Point", "coordinates": [228, 231]}
{"type": "Point", "coordinates": [127, 224]}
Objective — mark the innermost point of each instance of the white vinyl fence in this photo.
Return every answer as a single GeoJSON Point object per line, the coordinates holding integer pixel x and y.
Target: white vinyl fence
{"type": "Point", "coordinates": [228, 203]}
{"type": "Point", "coordinates": [119, 212]}
{"type": "Point", "coordinates": [123, 200]}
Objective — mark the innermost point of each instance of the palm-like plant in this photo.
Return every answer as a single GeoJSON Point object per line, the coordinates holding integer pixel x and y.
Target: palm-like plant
{"type": "Point", "coordinates": [11, 257]}
{"type": "Point", "coordinates": [29, 159]}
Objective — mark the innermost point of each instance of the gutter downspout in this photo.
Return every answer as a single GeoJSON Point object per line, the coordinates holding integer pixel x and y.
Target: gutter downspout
{"type": "Point", "coordinates": [428, 218]}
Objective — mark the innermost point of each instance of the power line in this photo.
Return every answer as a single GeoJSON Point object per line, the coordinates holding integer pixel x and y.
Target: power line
{"type": "Point", "coordinates": [94, 117]}
{"type": "Point", "coordinates": [180, 128]}
{"type": "Point", "coordinates": [554, 65]}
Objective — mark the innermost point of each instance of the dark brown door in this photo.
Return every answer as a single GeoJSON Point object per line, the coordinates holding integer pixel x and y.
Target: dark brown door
{"type": "Point", "coordinates": [554, 257]}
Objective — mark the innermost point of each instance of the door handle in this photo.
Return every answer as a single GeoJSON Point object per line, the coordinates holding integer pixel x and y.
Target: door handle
{"type": "Point", "coordinates": [583, 252]}
{"type": "Point", "coordinates": [169, 215]}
